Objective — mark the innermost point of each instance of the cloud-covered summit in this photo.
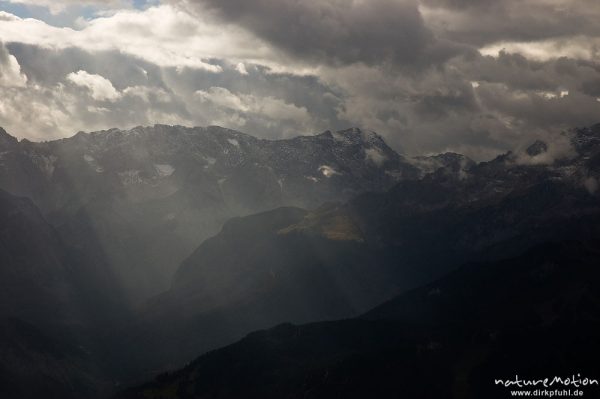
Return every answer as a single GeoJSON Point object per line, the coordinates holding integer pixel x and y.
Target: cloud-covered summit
{"type": "Point", "coordinates": [477, 77]}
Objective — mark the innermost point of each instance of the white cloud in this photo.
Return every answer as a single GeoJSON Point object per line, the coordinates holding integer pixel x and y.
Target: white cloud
{"type": "Point", "coordinates": [101, 89]}
{"type": "Point", "coordinates": [223, 98]}
{"type": "Point", "coordinates": [266, 116]}
{"type": "Point", "coordinates": [36, 112]}
{"type": "Point", "coordinates": [241, 68]}
{"type": "Point", "coordinates": [6, 16]}
{"type": "Point", "coordinates": [10, 70]}
{"type": "Point", "coordinates": [83, 95]}
{"type": "Point", "coordinates": [375, 155]}
{"type": "Point", "coordinates": [559, 147]}
{"type": "Point", "coordinates": [87, 102]}
{"type": "Point", "coordinates": [269, 107]}
{"type": "Point", "coordinates": [578, 47]}
{"type": "Point", "coordinates": [164, 35]}
{"type": "Point", "coordinates": [277, 109]}
{"type": "Point", "coordinates": [328, 171]}
{"type": "Point", "coordinates": [148, 93]}
{"type": "Point", "coordinates": [58, 6]}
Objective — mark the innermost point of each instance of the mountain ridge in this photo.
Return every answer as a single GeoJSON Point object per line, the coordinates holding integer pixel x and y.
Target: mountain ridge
{"type": "Point", "coordinates": [128, 185]}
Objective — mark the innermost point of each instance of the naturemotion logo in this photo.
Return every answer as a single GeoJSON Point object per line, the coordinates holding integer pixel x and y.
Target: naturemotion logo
{"type": "Point", "coordinates": [562, 386]}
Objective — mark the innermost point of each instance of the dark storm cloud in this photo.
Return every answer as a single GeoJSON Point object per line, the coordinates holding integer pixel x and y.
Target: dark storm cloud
{"type": "Point", "coordinates": [480, 105]}
{"type": "Point", "coordinates": [534, 110]}
{"type": "Point", "coordinates": [457, 98]}
{"type": "Point", "coordinates": [514, 101]}
{"type": "Point", "coordinates": [591, 87]}
{"type": "Point", "coordinates": [340, 31]}
{"type": "Point", "coordinates": [518, 72]}
{"type": "Point", "coordinates": [486, 21]}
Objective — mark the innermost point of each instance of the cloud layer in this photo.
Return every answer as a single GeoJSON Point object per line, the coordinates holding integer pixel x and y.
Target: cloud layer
{"type": "Point", "coordinates": [478, 77]}
{"type": "Point", "coordinates": [336, 31]}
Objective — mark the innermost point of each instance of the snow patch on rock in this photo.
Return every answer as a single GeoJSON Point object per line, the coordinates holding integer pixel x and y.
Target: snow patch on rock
{"type": "Point", "coordinates": [164, 169]}
{"type": "Point", "coordinates": [93, 163]}
{"type": "Point", "coordinates": [328, 171]}
{"type": "Point", "coordinates": [340, 137]}
{"type": "Point", "coordinates": [130, 177]}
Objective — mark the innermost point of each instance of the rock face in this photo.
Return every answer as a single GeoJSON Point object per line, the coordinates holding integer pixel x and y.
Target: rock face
{"type": "Point", "coordinates": [149, 196]}
{"type": "Point", "coordinates": [449, 162]}
{"type": "Point", "coordinates": [6, 140]}
{"type": "Point", "coordinates": [537, 148]}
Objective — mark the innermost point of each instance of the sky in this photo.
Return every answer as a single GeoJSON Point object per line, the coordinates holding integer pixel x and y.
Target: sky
{"type": "Point", "coordinates": [478, 77]}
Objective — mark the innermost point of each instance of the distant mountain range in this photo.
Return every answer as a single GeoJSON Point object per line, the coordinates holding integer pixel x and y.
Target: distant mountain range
{"type": "Point", "coordinates": [149, 196]}
{"type": "Point", "coordinates": [148, 247]}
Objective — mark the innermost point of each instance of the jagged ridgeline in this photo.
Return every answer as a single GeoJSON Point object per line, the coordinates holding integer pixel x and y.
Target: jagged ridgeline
{"type": "Point", "coordinates": [150, 195]}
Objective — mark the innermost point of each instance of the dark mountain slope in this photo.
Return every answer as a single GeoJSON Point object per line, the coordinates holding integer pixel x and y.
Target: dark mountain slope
{"type": "Point", "coordinates": [53, 302]}
{"type": "Point", "coordinates": [36, 364]}
{"type": "Point", "coordinates": [33, 264]}
{"type": "Point", "coordinates": [536, 315]}
{"type": "Point", "coordinates": [259, 271]}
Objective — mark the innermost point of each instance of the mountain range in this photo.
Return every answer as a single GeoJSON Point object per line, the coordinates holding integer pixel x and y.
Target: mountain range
{"type": "Point", "coordinates": [339, 260]}
{"type": "Point", "coordinates": [150, 196]}
{"type": "Point", "coordinates": [131, 252]}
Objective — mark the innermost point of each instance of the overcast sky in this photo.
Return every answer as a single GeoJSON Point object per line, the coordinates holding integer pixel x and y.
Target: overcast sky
{"type": "Point", "coordinates": [472, 76]}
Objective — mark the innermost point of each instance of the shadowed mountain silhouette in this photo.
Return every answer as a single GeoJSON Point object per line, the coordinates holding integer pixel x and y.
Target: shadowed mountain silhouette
{"type": "Point", "coordinates": [536, 315]}
{"type": "Point", "coordinates": [54, 301]}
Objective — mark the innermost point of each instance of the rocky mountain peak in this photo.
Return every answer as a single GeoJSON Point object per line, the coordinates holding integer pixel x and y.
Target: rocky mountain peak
{"type": "Point", "coordinates": [6, 139]}
{"type": "Point", "coordinates": [358, 136]}
{"type": "Point", "coordinates": [586, 138]}
{"type": "Point", "coordinates": [537, 148]}
{"type": "Point", "coordinates": [449, 161]}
